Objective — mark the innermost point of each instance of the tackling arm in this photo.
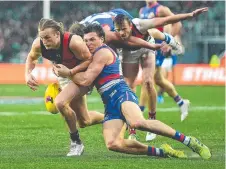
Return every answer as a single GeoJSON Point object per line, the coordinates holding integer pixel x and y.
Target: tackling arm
{"type": "Point", "coordinates": [100, 59]}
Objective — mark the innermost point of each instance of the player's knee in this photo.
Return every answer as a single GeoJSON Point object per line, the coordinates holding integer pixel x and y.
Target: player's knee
{"type": "Point", "coordinates": [137, 124]}
{"type": "Point", "coordinates": [148, 83]}
{"type": "Point", "coordinates": [60, 104]}
{"type": "Point", "coordinates": [159, 81]}
{"type": "Point", "coordinates": [83, 124]}
{"type": "Point", "coordinates": [113, 145]}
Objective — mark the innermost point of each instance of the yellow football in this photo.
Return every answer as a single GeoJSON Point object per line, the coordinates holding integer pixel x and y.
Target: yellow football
{"type": "Point", "coordinates": [51, 92]}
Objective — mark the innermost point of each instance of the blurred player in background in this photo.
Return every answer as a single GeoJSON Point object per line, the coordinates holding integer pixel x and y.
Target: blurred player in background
{"type": "Point", "coordinates": [154, 10]}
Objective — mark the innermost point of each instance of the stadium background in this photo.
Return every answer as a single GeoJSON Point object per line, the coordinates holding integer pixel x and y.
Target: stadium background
{"type": "Point", "coordinates": [32, 139]}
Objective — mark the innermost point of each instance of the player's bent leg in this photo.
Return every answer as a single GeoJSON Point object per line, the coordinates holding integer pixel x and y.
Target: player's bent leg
{"type": "Point", "coordinates": [84, 117]}
{"type": "Point", "coordinates": [160, 97]}
{"type": "Point", "coordinates": [132, 114]}
{"type": "Point", "coordinates": [170, 89]}
{"type": "Point", "coordinates": [112, 132]}
{"type": "Point", "coordinates": [114, 142]}
{"type": "Point", "coordinates": [164, 83]}
{"type": "Point", "coordinates": [62, 103]}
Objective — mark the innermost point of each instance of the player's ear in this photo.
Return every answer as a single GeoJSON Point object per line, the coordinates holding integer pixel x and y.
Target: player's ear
{"type": "Point", "coordinates": [58, 33]}
{"type": "Point", "coordinates": [102, 39]}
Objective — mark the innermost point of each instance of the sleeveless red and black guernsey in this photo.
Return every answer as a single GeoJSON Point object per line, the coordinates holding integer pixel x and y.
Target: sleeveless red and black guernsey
{"type": "Point", "coordinates": [63, 55]}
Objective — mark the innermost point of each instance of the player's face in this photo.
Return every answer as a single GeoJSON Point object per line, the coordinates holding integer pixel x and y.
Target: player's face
{"type": "Point", "coordinates": [50, 38]}
{"type": "Point", "coordinates": [93, 41]}
{"type": "Point", "coordinates": [124, 29]}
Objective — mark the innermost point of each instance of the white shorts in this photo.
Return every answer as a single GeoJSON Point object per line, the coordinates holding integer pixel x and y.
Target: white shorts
{"type": "Point", "coordinates": [167, 64]}
{"type": "Point", "coordinates": [63, 82]}
{"type": "Point", "coordinates": [128, 56]}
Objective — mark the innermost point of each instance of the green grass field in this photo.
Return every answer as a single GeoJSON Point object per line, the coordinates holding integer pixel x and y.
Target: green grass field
{"type": "Point", "coordinates": [32, 138]}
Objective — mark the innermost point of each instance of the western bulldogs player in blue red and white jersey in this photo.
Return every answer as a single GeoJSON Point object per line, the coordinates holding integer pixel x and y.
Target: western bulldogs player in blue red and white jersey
{"type": "Point", "coordinates": [121, 103]}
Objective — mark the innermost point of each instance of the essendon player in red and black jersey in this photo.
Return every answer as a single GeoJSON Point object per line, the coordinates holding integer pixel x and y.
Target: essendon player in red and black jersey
{"type": "Point", "coordinates": [63, 55]}
{"type": "Point", "coordinates": [69, 50]}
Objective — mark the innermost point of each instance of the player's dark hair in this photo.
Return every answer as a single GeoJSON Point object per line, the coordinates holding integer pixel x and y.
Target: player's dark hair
{"type": "Point", "coordinates": [50, 23]}
{"type": "Point", "coordinates": [77, 28]}
{"type": "Point", "coordinates": [120, 18]}
{"type": "Point", "coordinates": [95, 28]}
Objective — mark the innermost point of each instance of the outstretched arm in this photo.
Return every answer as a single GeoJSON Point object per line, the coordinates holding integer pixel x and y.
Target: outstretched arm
{"type": "Point", "coordinates": [132, 41]}
{"type": "Point", "coordinates": [146, 24]}
{"type": "Point", "coordinates": [175, 28]}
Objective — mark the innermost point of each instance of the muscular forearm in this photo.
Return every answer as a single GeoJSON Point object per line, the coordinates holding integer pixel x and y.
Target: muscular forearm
{"type": "Point", "coordinates": [171, 19]}
{"type": "Point", "coordinates": [30, 65]}
{"type": "Point", "coordinates": [80, 79]}
{"type": "Point", "coordinates": [137, 42]}
{"type": "Point", "coordinates": [81, 67]}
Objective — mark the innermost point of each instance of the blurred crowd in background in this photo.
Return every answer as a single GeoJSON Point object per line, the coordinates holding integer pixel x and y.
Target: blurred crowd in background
{"type": "Point", "coordinates": [19, 20]}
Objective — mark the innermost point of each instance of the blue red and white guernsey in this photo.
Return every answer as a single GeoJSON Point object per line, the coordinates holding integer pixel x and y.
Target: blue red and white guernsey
{"type": "Point", "coordinates": [63, 55]}
{"type": "Point", "coordinates": [151, 11]}
{"type": "Point", "coordinates": [104, 19]}
{"type": "Point", "coordinates": [118, 11]}
{"type": "Point", "coordinates": [113, 88]}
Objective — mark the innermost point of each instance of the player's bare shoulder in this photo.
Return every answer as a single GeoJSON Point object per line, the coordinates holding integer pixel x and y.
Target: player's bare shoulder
{"type": "Point", "coordinates": [35, 51]}
{"type": "Point", "coordinates": [164, 11]}
{"type": "Point", "coordinates": [79, 48]}
{"type": "Point", "coordinates": [36, 45]}
{"type": "Point", "coordinates": [104, 55]}
{"type": "Point", "coordinates": [76, 41]}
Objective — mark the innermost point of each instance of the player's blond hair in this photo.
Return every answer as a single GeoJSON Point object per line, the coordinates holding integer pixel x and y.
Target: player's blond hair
{"type": "Point", "coordinates": [77, 28]}
{"type": "Point", "coordinates": [50, 23]}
